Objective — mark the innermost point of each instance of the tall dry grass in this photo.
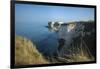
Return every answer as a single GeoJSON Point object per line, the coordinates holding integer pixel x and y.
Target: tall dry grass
{"type": "Point", "coordinates": [26, 52]}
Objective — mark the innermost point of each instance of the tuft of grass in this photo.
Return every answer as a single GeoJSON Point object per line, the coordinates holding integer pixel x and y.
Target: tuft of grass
{"type": "Point", "coordinates": [79, 55]}
{"type": "Point", "coordinates": [26, 52]}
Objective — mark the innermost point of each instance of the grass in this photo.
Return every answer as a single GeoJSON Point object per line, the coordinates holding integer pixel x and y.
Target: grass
{"type": "Point", "coordinates": [79, 53]}
{"type": "Point", "coordinates": [26, 52]}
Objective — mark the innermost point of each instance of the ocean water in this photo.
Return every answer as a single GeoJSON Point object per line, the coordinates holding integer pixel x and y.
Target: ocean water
{"type": "Point", "coordinates": [46, 41]}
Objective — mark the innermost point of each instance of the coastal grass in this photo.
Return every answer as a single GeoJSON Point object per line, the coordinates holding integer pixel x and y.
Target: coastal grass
{"type": "Point", "coordinates": [26, 52]}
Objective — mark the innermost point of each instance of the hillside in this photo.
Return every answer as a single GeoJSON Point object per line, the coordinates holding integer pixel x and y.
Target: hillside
{"type": "Point", "coordinates": [26, 52]}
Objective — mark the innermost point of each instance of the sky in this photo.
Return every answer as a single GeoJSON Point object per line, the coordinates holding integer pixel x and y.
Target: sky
{"type": "Point", "coordinates": [41, 13]}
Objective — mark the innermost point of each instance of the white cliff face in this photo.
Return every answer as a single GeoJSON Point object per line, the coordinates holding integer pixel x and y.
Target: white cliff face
{"type": "Point", "coordinates": [71, 27]}
{"type": "Point", "coordinates": [54, 26]}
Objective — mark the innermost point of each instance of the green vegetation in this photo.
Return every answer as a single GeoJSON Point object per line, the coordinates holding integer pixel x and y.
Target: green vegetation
{"type": "Point", "coordinates": [26, 52]}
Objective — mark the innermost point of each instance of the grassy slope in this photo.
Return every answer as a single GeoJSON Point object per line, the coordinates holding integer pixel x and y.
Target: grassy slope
{"type": "Point", "coordinates": [26, 52]}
